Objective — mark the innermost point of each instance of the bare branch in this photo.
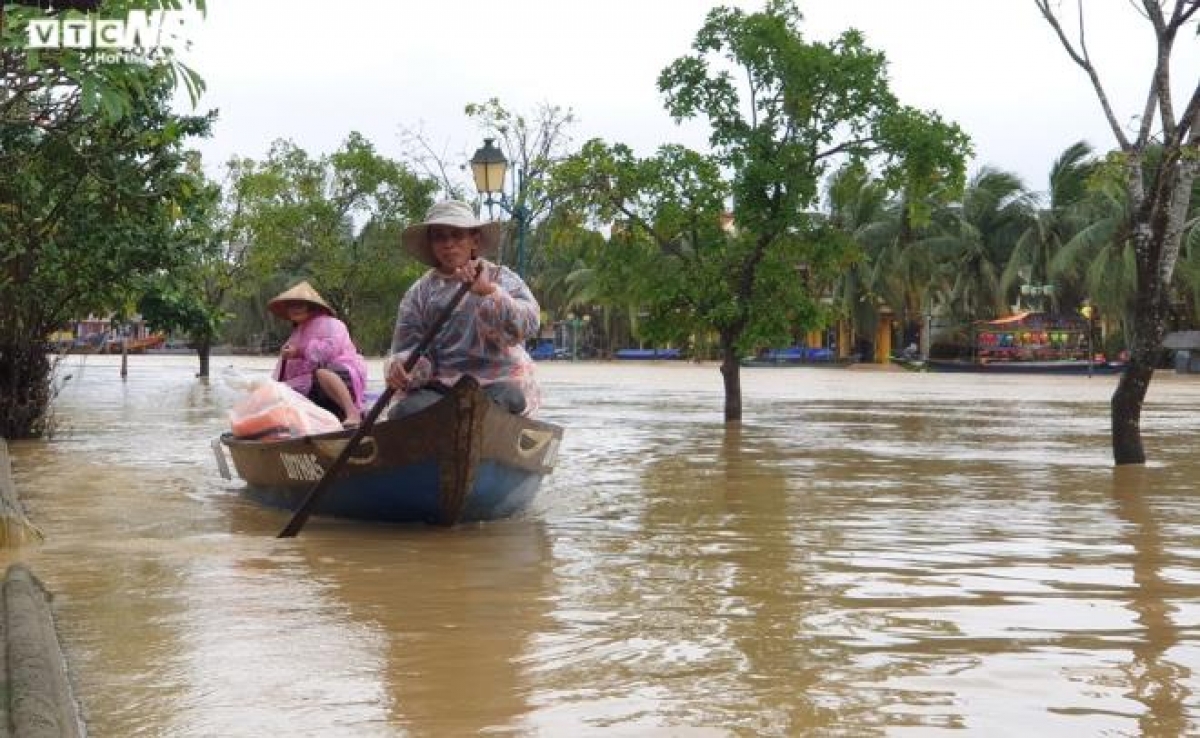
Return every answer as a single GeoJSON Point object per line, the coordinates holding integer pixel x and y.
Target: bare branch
{"type": "Point", "coordinates": [431, 161]}
{"type": "Point", "coordinates": [1079, 56]}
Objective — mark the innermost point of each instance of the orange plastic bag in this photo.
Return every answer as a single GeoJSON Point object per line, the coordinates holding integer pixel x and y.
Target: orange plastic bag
{"type": "Point", "coordinates": [273, 410]}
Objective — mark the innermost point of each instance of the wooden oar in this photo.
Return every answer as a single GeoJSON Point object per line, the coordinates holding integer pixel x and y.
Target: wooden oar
{"type": "Point", "coordinates": [300, 516]}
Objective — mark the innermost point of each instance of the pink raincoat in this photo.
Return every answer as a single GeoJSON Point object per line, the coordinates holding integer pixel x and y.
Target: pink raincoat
{"type": "Point", "coordinates": [324, 343]}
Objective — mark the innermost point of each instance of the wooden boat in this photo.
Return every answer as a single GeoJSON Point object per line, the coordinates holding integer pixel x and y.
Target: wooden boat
{"type": "Point", "coordinates": [1031, 343]}
{"type": "Point", "coordinates": [650, 354]}
{"type": "Point", "coordinates": [462, 459]}
{"type": "Point", "coordinates": [795, 356]}
{"type": "Point", "coordinates": [99, 343]}
{"type": "Point", "coordinates": [907, 363]}
{"type": "Point", "coordinates": [134, 345]}
{"type": "Point", "coordinates": [1054, 366]}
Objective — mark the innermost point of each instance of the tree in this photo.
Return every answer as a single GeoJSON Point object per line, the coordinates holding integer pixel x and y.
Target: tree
{"type": "Point", "coordinates": [794, 111]}
{"type": "Point", "coordinates": [1037, 251]}
{"type": "Point", "coordinates": [861, 207]}
{"type": "Point", "coordinates": [1158, 197]}
{"type": "Point", "coordinates": [334, 219]}
{"type": "Point", "coordinates": [89, 207]}
{"type": "Point", "coordinates": [190, 298]}
{"type": "Point", "coordinates": [973, 239]}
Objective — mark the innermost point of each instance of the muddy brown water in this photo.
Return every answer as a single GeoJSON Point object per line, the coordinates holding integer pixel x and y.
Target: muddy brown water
{"type": "Point", "coordinates": [870, 553]}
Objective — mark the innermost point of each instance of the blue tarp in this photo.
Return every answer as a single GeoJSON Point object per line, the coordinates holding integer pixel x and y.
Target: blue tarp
{"type": "Point", "coordinates": [651, 353]}
{"type": "Point", "coordinates": [796, 353]}
{"type": "Point", "coordinates": [544, 350]}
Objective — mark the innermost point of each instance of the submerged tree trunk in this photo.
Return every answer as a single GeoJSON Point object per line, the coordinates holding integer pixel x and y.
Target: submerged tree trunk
{"type": "Point", "coordinates": [204, 351]}
{"type": "Point", "coordinates": [1145, 344]}
{"type": "Point", "coordinates": [731, 372]}
{"type": "Point", "coordinates": [25, 373]}
{"type": "Point", "coordinates": [1126, 407]}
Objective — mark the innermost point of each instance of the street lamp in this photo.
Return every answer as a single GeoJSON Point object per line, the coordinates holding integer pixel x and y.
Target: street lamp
{"type": "Point", "coordinates": [1089, 314]}
{"type": "Point", "coordinates": [488, 168]}
{"type": "Point", "coordinates": [576, 323]}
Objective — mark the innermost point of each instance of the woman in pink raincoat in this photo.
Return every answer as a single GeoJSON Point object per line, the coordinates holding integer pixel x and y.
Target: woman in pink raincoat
{"type": "Point", "coordinates": [319, 359]}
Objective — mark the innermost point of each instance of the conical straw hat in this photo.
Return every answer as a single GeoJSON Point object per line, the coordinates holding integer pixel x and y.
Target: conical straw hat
{"type": "Point", "coordinates": [302, 292]}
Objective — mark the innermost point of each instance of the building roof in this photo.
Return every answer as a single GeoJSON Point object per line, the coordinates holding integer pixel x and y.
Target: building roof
{"type": "Point", "coordinates": [1182, 340]}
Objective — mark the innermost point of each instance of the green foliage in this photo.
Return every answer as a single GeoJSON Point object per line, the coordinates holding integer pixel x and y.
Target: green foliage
{"type": "Point", "coordinates": [91, 207]}
{"type": "Point", "coordinates": [103, 85]}
{"type": "Point", "coordinates": [334, 220]}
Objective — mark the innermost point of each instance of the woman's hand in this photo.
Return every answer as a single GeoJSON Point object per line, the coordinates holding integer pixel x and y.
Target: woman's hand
{"type": "Point", "coordinates": [406, 381]}
{"type": "Point", "coordinates": [394, 374]}
{"type": "Point", "coordinates": [477, 276]}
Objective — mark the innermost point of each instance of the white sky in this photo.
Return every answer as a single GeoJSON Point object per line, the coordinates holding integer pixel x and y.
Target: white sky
{"type": "Point", "coordinates": [312, 70]}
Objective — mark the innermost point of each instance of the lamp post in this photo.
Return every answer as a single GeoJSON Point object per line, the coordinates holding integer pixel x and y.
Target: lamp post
{"type": "Point", "coordinates": [488, 168]}
{"type": "Point", "coordinates": [576, 322]}
{"type": "Point", "coordinates": [1089, 314]}
{"type": "Point", "coordinates": [573, 321]}
{"type": "Point", "coordinates": [927, 334]}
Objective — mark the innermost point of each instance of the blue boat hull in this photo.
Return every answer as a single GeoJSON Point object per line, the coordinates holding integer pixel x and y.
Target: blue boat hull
{"type": "Point", "coordinates": [463, 459]}
{"type": "Point", "coordinates": [648, 354]}
{"type": "Point", "coordinates": [410, 495]}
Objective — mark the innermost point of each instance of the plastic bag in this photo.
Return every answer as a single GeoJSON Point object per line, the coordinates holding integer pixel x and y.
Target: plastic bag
{"type": "Point", "coordinates": [272, 410]}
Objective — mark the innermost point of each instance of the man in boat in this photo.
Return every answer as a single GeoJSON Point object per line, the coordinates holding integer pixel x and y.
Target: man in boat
{"type": "Point", "coordinates": [319, 360]}
{"type": "Point", "coordinates": [484, 337]}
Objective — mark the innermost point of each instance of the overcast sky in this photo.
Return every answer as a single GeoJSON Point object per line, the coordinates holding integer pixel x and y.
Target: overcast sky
{"type": "Point", "coordinates": [312, 71]}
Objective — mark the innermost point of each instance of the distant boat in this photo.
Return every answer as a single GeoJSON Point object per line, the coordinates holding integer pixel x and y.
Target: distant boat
{"type": "Point", "coordinates": [134, 345]}
{"type": "Point", "coordinates": [795, 356]}
{"type": "Point", "coordinates": [1054, 366]}
{"type": "Point", "coordinates": [648, 354]}
{"type": "Point", "coordinates": [545, 350]}
{"type": "Point", "coordinates": [99, 343]}
{"type": "Point", "coordinates": [1031, 343]}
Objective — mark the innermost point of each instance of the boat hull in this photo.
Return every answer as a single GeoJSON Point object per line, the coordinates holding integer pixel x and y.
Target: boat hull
{"type": "Point", "coordinates": [1024, 367]}
{"type": "Point", "coordinates": [462, 459]}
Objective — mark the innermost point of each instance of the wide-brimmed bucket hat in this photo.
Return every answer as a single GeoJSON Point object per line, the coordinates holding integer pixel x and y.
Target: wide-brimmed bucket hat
{"type": "Point", "coordinates": [302, 292]}
{"type": "Point", "coordinates": [453, 214]}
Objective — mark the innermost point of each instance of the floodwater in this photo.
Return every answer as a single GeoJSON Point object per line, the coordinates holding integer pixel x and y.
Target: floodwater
{"type": "Point", "coordinates": [870, 553]}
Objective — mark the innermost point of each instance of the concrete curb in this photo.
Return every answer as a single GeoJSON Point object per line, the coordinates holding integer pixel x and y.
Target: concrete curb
{"type": "Point", "coordinates": [36, 700]}
{"type": "Point", "coordinates": [40, 701]}
{"type": "Point", "coordinates": [15, 528]}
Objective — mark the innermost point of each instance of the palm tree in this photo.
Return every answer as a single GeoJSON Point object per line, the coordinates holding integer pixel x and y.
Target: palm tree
{"type": "Point", "coordinates": [1188, 272]}
{"type": "Point", "coordinates": [1054, 226]}
{"type": "Point", "coordinates": [1099, 256]}
{"type": "Point", "coordinates": [859, 208]}
{"type": "Point", "coordinates": [973, 240]}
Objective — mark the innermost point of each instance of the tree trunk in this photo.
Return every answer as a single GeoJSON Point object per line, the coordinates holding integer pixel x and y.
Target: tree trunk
{"type": "Point", "coordinates": [1156, 228]}
{"type": "Point", "coordinates": [204, 351]}
{"type": "Point", "coordinates": [24, 389]}
{"type": "Point", "coordinates": [731, 372]}
{"type": "Point", "coordinates": [1144, 340]}
{"type": "Point", "coordinates": [1126, 407]}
